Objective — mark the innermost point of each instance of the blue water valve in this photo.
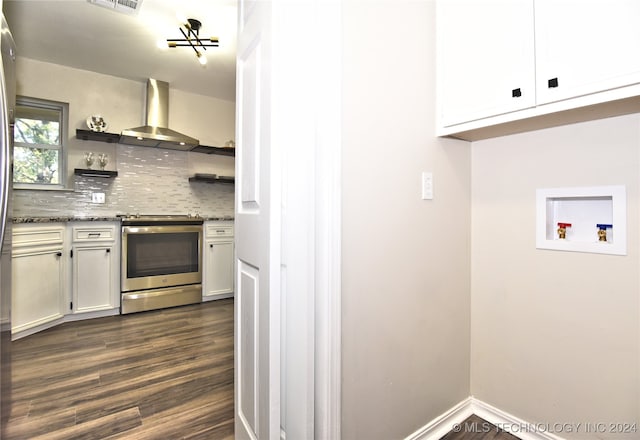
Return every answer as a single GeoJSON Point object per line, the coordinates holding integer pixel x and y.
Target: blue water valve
{"type": "Point", "coordinates": [602, 231]}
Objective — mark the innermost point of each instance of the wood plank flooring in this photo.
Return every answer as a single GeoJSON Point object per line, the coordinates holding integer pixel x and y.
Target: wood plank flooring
{"type": "Point", "coordinates": [165, 374]}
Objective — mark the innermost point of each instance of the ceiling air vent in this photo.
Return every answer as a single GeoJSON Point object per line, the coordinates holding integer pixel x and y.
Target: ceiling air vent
{"type": "Point", "coordinates": [124, 6]}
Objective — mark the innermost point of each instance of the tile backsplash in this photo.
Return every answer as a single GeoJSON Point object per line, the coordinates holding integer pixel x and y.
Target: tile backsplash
{"type": "Point", "coordinates": [150, 181]}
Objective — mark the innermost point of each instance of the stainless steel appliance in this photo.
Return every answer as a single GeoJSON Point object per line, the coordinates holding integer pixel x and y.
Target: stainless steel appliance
{"type": "Point", "coordinates": [161, 262]}
{"type": "Point", "coordinates": [7, 106]}
{"type": "Point", "coordinates": [156, 133]}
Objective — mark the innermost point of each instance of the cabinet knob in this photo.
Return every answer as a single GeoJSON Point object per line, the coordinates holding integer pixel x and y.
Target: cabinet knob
{"type": "Point", "coordinates": [211, 245]}
{"type": "Point", "coordinates": [58, 254]}
{"type": "Point", "coordinates": [516, 93]}
{"type": "Point", "coordinates": [553, 82]}
{"type": "Point", "coordinates": [108, 251]}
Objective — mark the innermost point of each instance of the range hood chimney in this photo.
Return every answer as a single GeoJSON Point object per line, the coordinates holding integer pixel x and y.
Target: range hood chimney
{"type": "Point", "coordinates": [156, 133]}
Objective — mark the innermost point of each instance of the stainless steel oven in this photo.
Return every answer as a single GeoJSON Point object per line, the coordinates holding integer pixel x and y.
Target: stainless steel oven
{"type": "Point", "coordinates": [161, 262]}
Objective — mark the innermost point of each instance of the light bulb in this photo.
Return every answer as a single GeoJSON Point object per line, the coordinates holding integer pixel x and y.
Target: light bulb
{"type": "Point", "coordinates": [181, 18]}
{"type": "Point", "coordinates": [202, 59]}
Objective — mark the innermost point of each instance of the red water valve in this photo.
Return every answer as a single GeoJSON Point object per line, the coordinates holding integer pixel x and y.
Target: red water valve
{"type": "Point", "coordinates": [562, 230]}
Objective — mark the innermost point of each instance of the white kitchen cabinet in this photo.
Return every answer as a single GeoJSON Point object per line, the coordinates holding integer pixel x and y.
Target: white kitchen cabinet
{"type": "Point", "coordinates": [38, 277]}
{"type": "Point", "coordinates": [481, 72]}
{"type": "Point", "coordinates": [218, 261]}
{"type": "Point", "coordinates": [572, 60]}
{"type": "Point", "coordinates": [95, 267]}
{"type": "Point", "coordinates": [586, 46]}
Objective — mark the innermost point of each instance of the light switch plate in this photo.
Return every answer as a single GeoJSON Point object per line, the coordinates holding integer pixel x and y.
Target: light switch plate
{"type": "Point", "coordinates": [427, 185]}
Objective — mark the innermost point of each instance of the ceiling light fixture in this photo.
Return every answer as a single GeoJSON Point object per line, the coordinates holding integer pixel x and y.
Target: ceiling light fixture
{"type": "Point", "coordinates": [190, 30]}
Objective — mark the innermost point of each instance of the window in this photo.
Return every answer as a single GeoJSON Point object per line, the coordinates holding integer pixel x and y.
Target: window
{"type": "Point", "coordinates": [38, 151]}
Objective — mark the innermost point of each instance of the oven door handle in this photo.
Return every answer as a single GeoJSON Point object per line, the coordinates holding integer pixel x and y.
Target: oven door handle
{"type": "Point", "coordinates": [165, 229]}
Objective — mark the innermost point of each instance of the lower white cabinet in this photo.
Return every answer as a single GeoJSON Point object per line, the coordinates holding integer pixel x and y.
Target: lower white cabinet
{"type": "Point", "coordinates": [63, 272]}
{"type": "Point", "coordinates": [94, 274]}
{"type": "Point", "coordinates": [38, 277]}
{"type": "Point", "coordinates": [218, 260]}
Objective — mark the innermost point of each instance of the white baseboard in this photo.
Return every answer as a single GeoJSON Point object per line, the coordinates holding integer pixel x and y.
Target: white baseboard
{"type": "Point", "coordinates": [22, 331]}
{"type": "Point", "coordinates": [510, 423]}
{"type": "Point", "coordinates": [217, 296]}
{"type": "Point", "coordinates": [450, 419]}
{"type": "Point", "coordinates": [92, 315]}
{"type": "Point", "coordinates": [30, 329]}
{"type": "Point", "coordinates": [444, 423]}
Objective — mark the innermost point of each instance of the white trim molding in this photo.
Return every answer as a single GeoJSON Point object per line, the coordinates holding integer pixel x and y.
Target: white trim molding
{"type": "Point", "coordinates": [444, 423]}
{"type": "Point", "coordinates": [453, 418]}
{"type": "Point", "coordinates": [328, 219]}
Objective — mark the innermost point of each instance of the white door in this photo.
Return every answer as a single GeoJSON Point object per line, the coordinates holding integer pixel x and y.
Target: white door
{"type": "Point", "coordinates": [257, 305]}
{"type": "Point", "coordinates": [287, 220]}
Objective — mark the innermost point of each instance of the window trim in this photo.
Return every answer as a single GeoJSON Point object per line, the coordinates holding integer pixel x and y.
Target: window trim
{"type": "Point", "coordinates": [63, 107]}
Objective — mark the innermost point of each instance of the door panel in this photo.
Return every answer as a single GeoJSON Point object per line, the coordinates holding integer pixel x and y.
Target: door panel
{"type": "Point", "coordinates": [257, 226]}
{"type": "Point", "coordinates": [37, 294]}
{"type": "Point", "coordinates": [586, 46]}
{"type": "Point", "coordinates": [93, 275]}
{"type": "Point", "coordinates": [249, 74]}
{"type": "Point", "coordinates": [248, 293]}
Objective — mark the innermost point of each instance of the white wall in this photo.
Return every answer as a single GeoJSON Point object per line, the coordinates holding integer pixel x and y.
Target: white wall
{"type": "Point", "coordinates": [554, 335]}
{"type": "Point", "coordinates": [405, 328]}
{"type": "Point", "coordinates": [122, 102]}
{"type": "Point", "coordinates": [150, 180]}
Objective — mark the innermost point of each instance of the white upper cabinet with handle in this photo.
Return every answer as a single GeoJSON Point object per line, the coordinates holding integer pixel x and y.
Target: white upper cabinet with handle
{"type": "Point", "coordinates": [506, 66]}
{"type": "Point", "coordinates": [585, 47]}
{"type": "Point", "coordinates": [481, 71]}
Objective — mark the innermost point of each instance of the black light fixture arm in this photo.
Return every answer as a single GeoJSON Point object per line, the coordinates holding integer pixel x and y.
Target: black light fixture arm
{"type": "Point", "coordinates": [192, 38]}
{"type": "Point", "coordinates": [186, 36]}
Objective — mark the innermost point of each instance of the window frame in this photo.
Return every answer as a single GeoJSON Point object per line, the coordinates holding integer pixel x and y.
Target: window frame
{"type": "Point", "coordinates": [63, 108]}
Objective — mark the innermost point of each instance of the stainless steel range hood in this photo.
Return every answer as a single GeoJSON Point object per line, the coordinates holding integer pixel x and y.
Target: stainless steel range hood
{"type": "Point", "coordinates": [156, 133]}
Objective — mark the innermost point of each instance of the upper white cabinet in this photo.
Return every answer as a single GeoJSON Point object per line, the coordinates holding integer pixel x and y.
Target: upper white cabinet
{"type": "Point", "coordinates": [506, 66]}
{"type": "Point", "coordinates": [481, 72]}
{"type": "Point", "coordinates": [585, 46]}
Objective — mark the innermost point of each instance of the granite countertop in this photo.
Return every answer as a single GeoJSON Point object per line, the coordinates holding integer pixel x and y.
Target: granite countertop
{"type": "Point", "coordinates": [58, 219]}
{"type": "Point", "coordinates": [225, 218]}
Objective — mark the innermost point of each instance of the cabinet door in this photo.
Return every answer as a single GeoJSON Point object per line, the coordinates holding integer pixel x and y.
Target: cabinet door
{"type": "Point", "coordinates": [587, 46]}
{"type": "Point", "coordinates": [218, 267]}
{"type": "Point", "coordinates": [485, 58]}
{"type": "Point", "coordinates": [37, 288]}
{"type": "Point", "coordinates": [93, 286]}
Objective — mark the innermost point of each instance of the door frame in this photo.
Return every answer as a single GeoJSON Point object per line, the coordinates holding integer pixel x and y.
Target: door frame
{"type": "Point", "coordinates": [321, 39]}
{"type": "Point", "coordinates": [328, 214]}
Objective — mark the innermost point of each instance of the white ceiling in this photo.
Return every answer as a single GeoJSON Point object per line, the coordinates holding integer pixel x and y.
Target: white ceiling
{"type": "Point", "coordinates": [79, 34]}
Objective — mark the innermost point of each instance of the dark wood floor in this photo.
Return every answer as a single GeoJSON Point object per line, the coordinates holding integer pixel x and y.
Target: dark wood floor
{"type": "Point", "coordinates": [476, 428]}
{"type": "Point", "coordinates": [155, 375]}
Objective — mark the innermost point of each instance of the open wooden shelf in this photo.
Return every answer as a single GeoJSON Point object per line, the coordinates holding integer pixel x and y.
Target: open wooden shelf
{"type": "Point", "coordinates": [212, 178]}
{"type": "Point", "coordinates": [220, 151]}
{"type": "Point", "coordinates": [88, 135]}
{"type": "Point", "coordinates": [95, 173]}
{"type": "Point", "coordinates": [114, 138]}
